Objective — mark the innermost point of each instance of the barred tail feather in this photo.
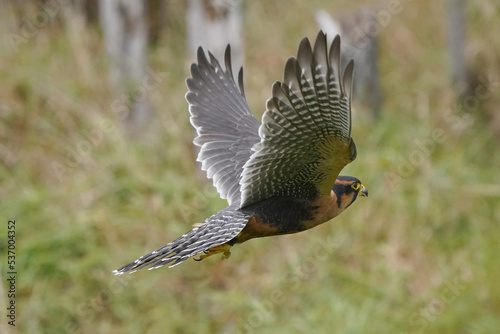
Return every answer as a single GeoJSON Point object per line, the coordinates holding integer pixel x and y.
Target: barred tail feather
{"type": "Point", "coordinates": [216, 230]}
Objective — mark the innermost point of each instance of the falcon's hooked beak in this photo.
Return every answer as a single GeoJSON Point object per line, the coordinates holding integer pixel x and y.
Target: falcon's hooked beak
{"type": "Point", "coordinates": [363, 191]}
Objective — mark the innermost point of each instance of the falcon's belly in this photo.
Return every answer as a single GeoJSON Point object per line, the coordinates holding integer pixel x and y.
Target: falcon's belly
{"type": "Point", "coordinates": [256, 228]}
{"type": "Point", "coordinates": [288, 215]}
{"type": "Point", "coordinates": [274, 216]}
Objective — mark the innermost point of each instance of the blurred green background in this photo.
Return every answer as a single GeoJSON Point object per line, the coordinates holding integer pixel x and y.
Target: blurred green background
{"type": "Point", "coordinates": [420, 255]}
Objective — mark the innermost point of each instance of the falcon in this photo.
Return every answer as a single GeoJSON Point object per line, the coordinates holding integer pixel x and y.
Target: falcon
{"type": "Point", "coordinates": [281, 176]}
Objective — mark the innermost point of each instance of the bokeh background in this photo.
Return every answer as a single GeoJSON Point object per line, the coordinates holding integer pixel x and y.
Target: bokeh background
{"type": "Point", "coordinates": [420, 255]}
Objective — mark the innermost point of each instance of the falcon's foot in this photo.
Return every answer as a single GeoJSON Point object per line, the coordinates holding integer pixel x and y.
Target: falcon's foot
{"type": "Point", "coordinates": [224, 249]}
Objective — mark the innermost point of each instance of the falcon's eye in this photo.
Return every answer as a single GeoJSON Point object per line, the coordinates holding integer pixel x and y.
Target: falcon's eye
{"type": "Point", "coordinates": [355, 186]}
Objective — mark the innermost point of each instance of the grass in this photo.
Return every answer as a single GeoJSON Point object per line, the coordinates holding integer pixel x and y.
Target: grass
{"type": "Point", "coordinates": [418, 256]}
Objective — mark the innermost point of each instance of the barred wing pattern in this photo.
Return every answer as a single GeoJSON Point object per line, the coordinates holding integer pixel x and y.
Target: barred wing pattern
{"type": "Point", "coordinates": [216, 230]}
{"type": "Point", "coordinates": [306, 129]}
{"type": "Point", "coordinates": [226, 128]}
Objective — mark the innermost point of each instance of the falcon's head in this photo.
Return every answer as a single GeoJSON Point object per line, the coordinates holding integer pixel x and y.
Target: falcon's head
{"type": "Point", "coordinates": [347, 189]}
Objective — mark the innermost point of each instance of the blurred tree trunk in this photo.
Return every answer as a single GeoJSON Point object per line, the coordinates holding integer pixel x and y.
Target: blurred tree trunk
{"type": "Point", "coordinates": [457, 36]}
{"type": "Point", "coordinates": [360, 45]}
{"type": "Point", "coordinates": [125, 35]}
{"type": "Point", "coordinates": [213, 24]}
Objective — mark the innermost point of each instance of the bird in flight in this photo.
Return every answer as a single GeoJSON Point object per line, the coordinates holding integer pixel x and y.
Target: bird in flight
{"type": "Point", "coordinates": [281, 176]}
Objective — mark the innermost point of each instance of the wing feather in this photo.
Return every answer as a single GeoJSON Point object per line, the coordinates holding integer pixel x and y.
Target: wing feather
{"type": "Point", "coordinates": [305, 136]}
{"type": "Point", "coordinates": [226, 129]}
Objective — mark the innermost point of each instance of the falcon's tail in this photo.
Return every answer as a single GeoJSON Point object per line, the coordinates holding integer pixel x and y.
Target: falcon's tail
{"type": "Point", "coordinates": [216, 230]}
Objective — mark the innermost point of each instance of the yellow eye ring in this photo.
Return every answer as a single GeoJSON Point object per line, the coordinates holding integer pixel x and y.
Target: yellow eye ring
{"type": "Point", "coordinates": [355, 186]}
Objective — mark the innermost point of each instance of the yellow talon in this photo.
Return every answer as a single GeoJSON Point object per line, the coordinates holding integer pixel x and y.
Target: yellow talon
{"type": "Point", "coordinates": [226, 254]}
{"type": "Point", "coordinates": [224, 249]}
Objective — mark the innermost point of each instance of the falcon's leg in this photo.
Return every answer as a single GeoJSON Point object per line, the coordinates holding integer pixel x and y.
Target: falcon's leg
{"type": "Point", "coordinates": [224, 249]}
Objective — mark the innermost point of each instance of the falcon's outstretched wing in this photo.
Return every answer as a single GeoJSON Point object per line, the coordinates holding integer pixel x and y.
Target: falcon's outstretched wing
{"type": "Point", "coordinates": [226, 128]}
{"type": "Point", "coordinates": [306, 129]}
